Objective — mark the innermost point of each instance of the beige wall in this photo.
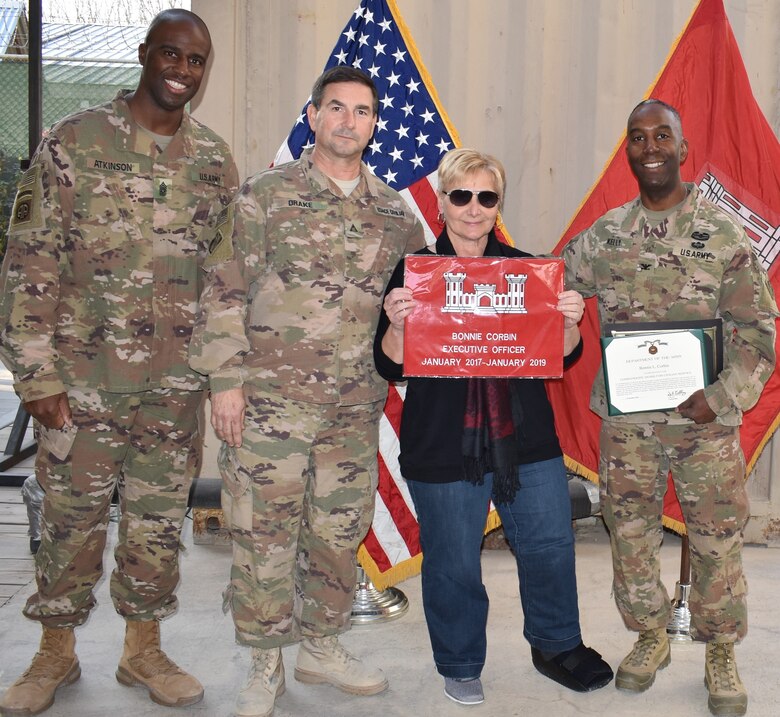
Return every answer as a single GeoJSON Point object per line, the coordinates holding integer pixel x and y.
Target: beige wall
{"type": "Point", "coordinates": [545, 85]}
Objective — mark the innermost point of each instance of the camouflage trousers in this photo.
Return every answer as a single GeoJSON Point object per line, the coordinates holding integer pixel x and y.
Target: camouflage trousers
{"type": "Point", "coordinates": [298, 498]}
{"type": "Point", "coordinates": [148, 445]}
{"type": "Point", "coordinates": [708, 471]}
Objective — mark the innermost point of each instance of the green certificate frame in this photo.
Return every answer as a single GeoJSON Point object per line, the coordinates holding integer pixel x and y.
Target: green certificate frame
{"type": "Point", "coordinates": [654, 370]}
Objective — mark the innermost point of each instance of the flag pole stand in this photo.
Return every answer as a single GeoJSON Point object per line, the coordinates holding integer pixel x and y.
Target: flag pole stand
{"type": "Point", "coordinates": [679, 626]}
{"type": "Point", "coordinates": [371, 605]}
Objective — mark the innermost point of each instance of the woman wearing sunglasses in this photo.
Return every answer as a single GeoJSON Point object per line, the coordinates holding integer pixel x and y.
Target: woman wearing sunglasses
{"type": "Point", "coordinates": [453, 468]}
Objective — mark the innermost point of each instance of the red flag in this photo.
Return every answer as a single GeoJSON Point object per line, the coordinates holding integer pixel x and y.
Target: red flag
{"type": "Point", "coordinates": [734, 157]}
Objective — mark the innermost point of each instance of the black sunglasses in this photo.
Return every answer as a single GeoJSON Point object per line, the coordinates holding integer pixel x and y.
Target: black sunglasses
{"type": "Point", "coordinates": [461, 197]}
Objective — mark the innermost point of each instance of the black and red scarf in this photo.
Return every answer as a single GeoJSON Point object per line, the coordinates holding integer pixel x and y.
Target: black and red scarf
{"type": "Point", "coordinates": [490, 436]}
{"type": "Point", "coordinates": [493, 418]}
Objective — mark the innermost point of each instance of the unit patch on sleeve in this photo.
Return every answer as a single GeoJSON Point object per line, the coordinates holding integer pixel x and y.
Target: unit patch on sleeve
{"type": "Point", "coordinates": [26, 213]}
{"type": "Point", "coordinates": [221, 245]}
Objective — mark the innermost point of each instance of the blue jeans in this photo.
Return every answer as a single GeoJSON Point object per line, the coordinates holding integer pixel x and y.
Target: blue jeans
{"type": "Point", "coordinates": [537, 525]}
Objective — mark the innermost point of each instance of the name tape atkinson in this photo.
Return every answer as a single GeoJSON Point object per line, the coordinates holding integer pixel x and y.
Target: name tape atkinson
{"type": "Point", "coordinates": [484, 317]}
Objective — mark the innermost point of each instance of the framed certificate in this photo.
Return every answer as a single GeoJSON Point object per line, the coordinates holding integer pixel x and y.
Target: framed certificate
{"type": "Point", "coordinates": [655, 370]}
{"type": "Point", "coordinates": [712, 328]}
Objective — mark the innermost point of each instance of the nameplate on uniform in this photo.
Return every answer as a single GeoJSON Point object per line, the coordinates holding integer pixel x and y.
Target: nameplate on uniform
{"type": "Point", "coordinates": [390, 212]}
{"type": "Point", "coordinates": [294, 203]}
{"type": "Point", "coordinates": [209, 177]}
{"type": "Point", "coordinates": [484, 317]}
{"type": "Point", "coordinates": [109, 165]}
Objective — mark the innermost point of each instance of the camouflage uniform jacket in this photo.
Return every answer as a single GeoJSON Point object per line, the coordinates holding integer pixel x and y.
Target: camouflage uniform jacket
{"type": "Point", "coordinates": [294, 285]}
{"type": "Point", "coordinates": [101, 279]}
{"type": "Point", "coordinates": [697, 264]}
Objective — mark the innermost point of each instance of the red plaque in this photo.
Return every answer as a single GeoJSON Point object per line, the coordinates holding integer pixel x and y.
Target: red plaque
{"type": "Point", "coordinates": [487, 316]}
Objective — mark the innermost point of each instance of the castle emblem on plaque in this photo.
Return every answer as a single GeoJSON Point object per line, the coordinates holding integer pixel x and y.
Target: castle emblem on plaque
{"type": "Point", "coordinates": [484, 300]}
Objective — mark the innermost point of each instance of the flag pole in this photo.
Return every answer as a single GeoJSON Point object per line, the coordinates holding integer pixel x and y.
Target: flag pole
{"type": "Point", "coordinates": [371, 605]}
{"type": "Point", "coordinates": [679, 626]}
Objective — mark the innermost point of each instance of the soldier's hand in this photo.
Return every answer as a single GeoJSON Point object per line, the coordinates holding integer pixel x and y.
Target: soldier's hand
{"type": "Point", "coordinates": [572, 306]}
{"type": "Point", "coordinates": [227, 415]}
{"type": "Point", "coordinates": [696, 408]}
{"type": "Point", "coordinates": [52, 411]}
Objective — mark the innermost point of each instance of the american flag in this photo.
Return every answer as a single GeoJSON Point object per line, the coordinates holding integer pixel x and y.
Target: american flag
{"type": "Point", "coordinates": [412, 133]}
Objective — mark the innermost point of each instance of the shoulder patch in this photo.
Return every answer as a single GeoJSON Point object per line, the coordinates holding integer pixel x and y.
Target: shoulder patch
{"type": "Point", "coordinates": [26, 213]}
{"type": "Point", "coordinates": [221, 245]}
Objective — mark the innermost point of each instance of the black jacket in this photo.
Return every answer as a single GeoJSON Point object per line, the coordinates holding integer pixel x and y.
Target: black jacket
{"type": "Point", "coordinates": [432, 418]}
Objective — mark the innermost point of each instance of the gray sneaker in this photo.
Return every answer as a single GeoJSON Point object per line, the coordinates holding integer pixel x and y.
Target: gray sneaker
{"type": "Point", "coordinates": [464, 692]}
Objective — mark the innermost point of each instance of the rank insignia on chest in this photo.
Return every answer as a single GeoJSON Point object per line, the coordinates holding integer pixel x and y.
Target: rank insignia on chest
{"type": "Point", "coordinates": [354, 229]}
{"type": "Point", "coordinates": [162, 188]}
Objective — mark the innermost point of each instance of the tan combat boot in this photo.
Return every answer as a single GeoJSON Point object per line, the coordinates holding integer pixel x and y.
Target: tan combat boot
{"type": "Point", "coordinates": [324, 660]}
{"type": "Point", "coordinates": [54, 664]}
{"type": "Point", "coordinates": [144, 663]}
{"type": "Point", "coordinates": [650, 653]}
{"type": "Point", "coordinates": [728, 695]}
{"type": "Point", "coordinates": [264, 684]}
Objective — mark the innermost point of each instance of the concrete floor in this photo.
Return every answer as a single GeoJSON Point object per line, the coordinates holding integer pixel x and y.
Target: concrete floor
{"type": "Point", "coordinates": [200, 638]}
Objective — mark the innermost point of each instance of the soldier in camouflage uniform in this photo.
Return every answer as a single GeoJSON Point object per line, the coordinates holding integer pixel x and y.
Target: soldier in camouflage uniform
{"type": "Point", "coordinates": [671, 255]}
{"type": "Point", "coordinates": [293, 291]}
{"type": "Point", "coordinates": [100, 289]}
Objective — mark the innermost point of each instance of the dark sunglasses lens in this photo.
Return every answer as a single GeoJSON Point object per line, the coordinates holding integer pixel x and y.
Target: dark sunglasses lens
{"type": "Point", "coordinates": [488, 199]}
{"type": "Point", "coordinates": [460, 197]}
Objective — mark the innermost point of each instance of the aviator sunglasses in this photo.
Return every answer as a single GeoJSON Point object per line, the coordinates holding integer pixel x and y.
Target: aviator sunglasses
{"type": "Point", "coordinates": [461, 197]}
